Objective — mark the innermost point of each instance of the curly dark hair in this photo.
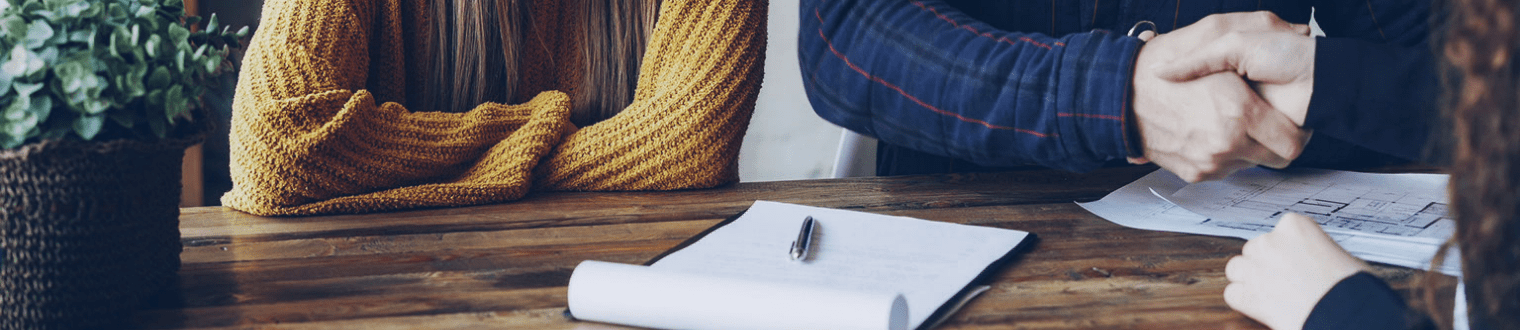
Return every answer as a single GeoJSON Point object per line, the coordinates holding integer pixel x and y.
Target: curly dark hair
{"type": "Point", "coordinates": [1482, 104]}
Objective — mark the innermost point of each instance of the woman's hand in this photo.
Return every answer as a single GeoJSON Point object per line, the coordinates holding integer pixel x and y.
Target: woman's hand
{"type": "Point", "coordinates": [1279, 276]}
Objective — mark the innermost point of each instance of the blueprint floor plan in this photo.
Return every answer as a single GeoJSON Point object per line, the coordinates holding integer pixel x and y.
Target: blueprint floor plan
{"type": "Point", "coordinates": [1397, 219]}
{"type": "Point", "coordinates": [1412, 205]}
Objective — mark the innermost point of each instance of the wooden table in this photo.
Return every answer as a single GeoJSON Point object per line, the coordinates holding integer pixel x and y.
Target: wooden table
{"type": "Point", "coordinates": [506, 266]}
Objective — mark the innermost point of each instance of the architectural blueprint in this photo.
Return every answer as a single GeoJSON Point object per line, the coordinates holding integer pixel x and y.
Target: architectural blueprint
{"type": "Point", "coordinates": [1148, 204]}
{"type": "Point", "coordinates": [1410, 205]}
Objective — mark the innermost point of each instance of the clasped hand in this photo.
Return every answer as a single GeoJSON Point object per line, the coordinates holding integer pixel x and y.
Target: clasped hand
{"type": "Point", "coordinates": [1223, 94]}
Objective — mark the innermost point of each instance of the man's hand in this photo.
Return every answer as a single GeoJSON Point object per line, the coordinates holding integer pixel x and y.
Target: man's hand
{"type": "Point", "coordinates": [1211, 126]}
{"type": "Point", "coordinates": [1280, 64]}
{"type": "Point", "coordinates": [1279, 276]}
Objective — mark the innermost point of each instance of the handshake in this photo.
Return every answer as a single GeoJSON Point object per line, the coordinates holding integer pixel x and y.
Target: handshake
{"type": "Point", "coordinates": [1226, 93]}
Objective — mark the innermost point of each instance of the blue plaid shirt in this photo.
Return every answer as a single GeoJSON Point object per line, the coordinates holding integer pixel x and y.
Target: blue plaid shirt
{"type": "Point", "coordinates": [1003, 83]}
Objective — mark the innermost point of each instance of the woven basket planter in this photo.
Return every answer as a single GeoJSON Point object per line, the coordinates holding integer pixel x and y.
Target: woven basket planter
{"type": "Point", "coordinates": [88, 229]}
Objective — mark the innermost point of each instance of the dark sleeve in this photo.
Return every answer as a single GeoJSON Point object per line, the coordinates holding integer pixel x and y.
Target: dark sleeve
{"type": "Point", "coordinates": [925, 76]}
{"type": "Point", "coordinates": [1375, 84]}
{"type": "Point", "coordinates": [1362, 301]}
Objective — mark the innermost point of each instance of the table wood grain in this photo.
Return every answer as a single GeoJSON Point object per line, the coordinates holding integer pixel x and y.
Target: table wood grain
{"type": "Point", "coordinates": [506, 266]}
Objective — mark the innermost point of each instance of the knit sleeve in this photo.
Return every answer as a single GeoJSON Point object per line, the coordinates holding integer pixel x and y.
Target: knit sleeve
{"type": "Point", "coordinates": [307, 137]}
{"type": "Point", "coordinates": [696, 90]}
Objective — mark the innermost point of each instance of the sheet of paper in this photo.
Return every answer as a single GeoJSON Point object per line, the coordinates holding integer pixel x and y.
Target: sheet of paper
{"type": "Point", "coordinates": [1404, 205]}
{"type": "Point", "coordinates": [1136, 206]}
{"type": "Point", "coordinates": [927, 262]}
{"type": "Point", "coordinates": [647, 297]}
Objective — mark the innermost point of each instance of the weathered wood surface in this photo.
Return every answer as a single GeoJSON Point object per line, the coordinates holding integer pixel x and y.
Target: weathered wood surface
{"type": "Point", "coordinates": [506, 266]}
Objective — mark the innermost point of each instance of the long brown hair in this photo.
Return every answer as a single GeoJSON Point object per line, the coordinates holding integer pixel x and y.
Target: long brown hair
{"type": "Point", "coordinates": [1479, 47]}
{"type": "Point", "coordinates": [476, 49]}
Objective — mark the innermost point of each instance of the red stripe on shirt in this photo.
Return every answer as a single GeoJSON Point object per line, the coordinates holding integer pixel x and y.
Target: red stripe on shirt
{"type": "Point", "coordinates": [910, 97]}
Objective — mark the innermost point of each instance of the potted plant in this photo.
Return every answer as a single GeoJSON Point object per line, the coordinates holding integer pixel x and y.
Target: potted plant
{"type": "Point", "coordinates": [98, 103]}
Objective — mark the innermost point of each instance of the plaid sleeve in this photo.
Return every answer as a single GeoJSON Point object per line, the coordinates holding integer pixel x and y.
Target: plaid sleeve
{"type": "Point", "coordinates": [923, 75]}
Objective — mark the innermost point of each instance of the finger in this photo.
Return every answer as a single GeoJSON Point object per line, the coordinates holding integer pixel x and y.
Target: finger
{"type": "Point", "coordinates": [1254, 246]}
{"type": "Point", "coordinates": [1223, 55]}
{"type": "Point", "coordinates": [1301, 28]}
{"type": "Point", "coordinates": [1257, 154]}
{"type": "Point", "coordinates": [1223, 168]}
{"type": "Point", "coordinates": [1138, 160]}
{"type": "Point", "coordinates": [1299, 220]}
{"type": "Point", "coordinates": [1236, 270]}
{"type": "Point", "coordinates": [1274, 130]}
{"type": "Point", "coordinates": [1288, 223]}
{"type": "Point", "coordinates": [1147, 35]}
{"type": "Point", "coordinates": [1199, 172]}
{"type": "Point", "coordinates": [1303, 225]}
{"type": "Point", "coordinates": [1236, 297]}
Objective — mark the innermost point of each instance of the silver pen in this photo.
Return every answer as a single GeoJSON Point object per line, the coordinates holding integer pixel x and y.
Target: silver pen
{"type": "Point", "coordinates": [804, 242]}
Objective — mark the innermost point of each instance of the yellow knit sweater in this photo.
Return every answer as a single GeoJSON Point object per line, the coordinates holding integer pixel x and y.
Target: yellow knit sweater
{"type": "Point", "coordinates": [319, 126]}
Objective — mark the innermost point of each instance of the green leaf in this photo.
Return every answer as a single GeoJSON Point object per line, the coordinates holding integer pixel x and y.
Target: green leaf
{"type": "Point", "coordinates": [121, 41]}
{"type": "Point", "coordinates": [74, 9]}
{"type": "Point", "coordinates": [73, 74]}
{"type": "Point", "coordinates": [32, 7]}
{"type": "Point", "coordinates": [15, 28]}
{"type": "Point", "coordinates": [25, 89]}
{"type": "Point", "coordinates": [23, 62]}
{"type": "Point", "coordinates": [5, 81]}
{"type": "Point", "coordinates": [94, 10]}
{"type": "Point", "coordinates": [214, 24]}
{"type": "Point", "coordinates": [48, 55]}
{"type": "Point", "coordinates": [178, 34]}
{"type": "Point", "coordinates": [87, 36]}
{"type": "Point", "coordinates": [154, 99]}
{"type": "Point", "coordinates": [174, 102]}
{"type": "Point", "coordinates": [21, 129]}
{"type": "Point", "coordinates": [18, 109]}
{"type": "Point", "coordinates": [116, 11]}
{"type": "Point", "coordinates": [243, 32]}
{"type": "Point", "coordinates": [159, 79]}
{"type": "Point", "coordinates": [212, 63]}
{"type": "Point", "coordinates": [88, 126]}
{"type": "Point", "coordinates": [41, 106]}
{"type": "Point", "coordinates": [152, 45]}
{"type": "Point", "coordinates": [133, 84]}
{"type": "Point", "coordinates": [38, 33]}
{"type": "Point", "coordinates": [159, 126]}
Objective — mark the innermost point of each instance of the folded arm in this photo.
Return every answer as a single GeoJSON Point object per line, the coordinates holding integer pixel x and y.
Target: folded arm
{"type": "Point", "coordinates": [307, 136]}
{"type": "Point", "coordinates": [697, 88]}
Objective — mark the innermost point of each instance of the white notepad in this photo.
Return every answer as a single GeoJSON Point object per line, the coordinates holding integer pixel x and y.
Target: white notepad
{"type": "Point", "coordinates": [866, 271]}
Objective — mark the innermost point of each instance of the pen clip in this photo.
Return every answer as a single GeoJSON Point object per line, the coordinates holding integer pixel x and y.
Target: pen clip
{"type": "Point", "coordinates": [804, 243]}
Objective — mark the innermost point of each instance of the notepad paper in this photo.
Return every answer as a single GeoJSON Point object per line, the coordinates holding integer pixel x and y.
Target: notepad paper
{"type": "Point", "coordinates": [865, 271]}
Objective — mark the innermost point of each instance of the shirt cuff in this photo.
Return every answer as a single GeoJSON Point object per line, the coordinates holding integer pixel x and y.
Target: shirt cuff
{"type": "Point", "coordinates": [1098, 67]}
